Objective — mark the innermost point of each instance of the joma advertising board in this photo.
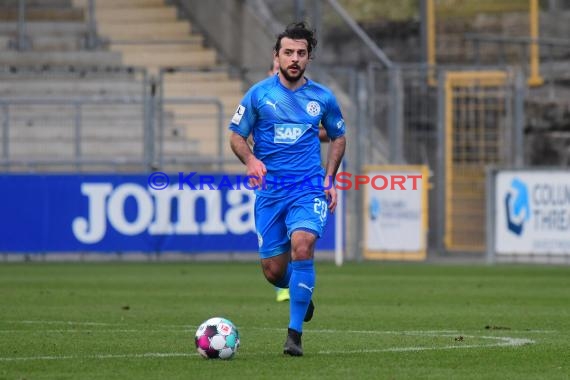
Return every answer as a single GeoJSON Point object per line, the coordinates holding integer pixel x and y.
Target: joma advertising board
{"type": "Point", "coordinates": [110, 213]}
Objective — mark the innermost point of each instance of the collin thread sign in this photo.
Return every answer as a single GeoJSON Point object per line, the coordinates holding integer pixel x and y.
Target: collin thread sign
{"type": "Point", "coordinates": [532, 212]}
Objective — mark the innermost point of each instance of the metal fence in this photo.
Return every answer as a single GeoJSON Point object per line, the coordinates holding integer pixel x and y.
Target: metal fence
{"type": "Point", "coordinates": [477, 132]}
{"type": "Point", "coordinates": [506, 51]}
{"type": "Point", "coordinates": [89, 40]}
{"type": "Point", "coordinates": [101, 119]}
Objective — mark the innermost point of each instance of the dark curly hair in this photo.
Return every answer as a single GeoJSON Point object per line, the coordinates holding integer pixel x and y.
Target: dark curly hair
{"type": "Point", "coordinates": [298, 31]}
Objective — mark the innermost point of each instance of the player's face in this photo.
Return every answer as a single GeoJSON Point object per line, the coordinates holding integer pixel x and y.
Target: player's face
{"type": "Point", "coordinates": [293, 58]}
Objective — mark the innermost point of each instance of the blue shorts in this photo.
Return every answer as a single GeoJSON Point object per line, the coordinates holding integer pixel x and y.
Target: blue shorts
{"type": "Point", "coordinates": [277, 218]}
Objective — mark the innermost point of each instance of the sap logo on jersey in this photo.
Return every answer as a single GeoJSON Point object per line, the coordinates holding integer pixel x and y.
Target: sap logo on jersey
{"type": "Point", "coordinates": [289, 133]}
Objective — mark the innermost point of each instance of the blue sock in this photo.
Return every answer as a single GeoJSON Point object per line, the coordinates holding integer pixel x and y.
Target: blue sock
{"type": "Point", "coordinates": [301, 290]}
{"type": "Point", "coordinates": [284, 281]}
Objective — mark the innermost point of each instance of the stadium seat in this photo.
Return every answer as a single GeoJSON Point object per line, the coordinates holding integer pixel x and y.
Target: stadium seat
{"type": "Point", "coordinates": [56, 64]}
{"type": "Point", "coordinates": [155, 38]}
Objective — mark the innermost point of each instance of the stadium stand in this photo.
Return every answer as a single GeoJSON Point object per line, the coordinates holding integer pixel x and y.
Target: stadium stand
{"type": "Point", "coordinates": [63, 102]}
{"type": "Point", "coordinates": [155, 38]}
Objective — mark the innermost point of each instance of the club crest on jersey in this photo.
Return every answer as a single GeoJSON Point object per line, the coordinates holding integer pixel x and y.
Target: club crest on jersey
{"type": "Point", "coordinates": [313, 108]}
{"type": "Point", "coordinates": [289, 133]}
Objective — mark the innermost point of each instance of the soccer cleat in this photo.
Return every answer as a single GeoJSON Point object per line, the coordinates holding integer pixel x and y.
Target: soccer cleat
{"type": "Point", "coordinates": [282, 294]}
{"type": "Point", "coordinates": [310, 311]}
{"type": "Point", "coordinates": [293, 345]}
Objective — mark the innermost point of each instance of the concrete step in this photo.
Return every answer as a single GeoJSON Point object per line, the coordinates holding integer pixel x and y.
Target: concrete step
{"type": "Point", "coordinates": [37, 3]}
{"type": "Point", "coordinates": [42, 14]}
{"type": "Point", "coordinates": [151, 31]}
{"type": "Point", "coordinates": [119, 4]}
{"type": "Point", "coordinates": [126, 15]}
{"type": "Point", "coordinates": [93, 58]}
{"type": "Point", "coordinates": [106, 112]}
{"type": "Point", "coordinates": [117, 73]}
{"type": "Point", "coordinates": [44, 28]}
{"type": "Point", "coordinates": [189, 46]}
{"type": "Point", "coordinates": [65, 148]}
{"type": "Point", "coordinates": [181, 89]}
{"type": "Point", "coordinates": [63, 88]}
{"type": "Point", "coordinates": [210, 147]}
{"type": "Point", "coordinates": [181, 147]}
{"type": "Point", "coordinates": [203, 58]}
{"type": "Point", "coordinates": [196, 76]}
{"type": "Point", "coordinates": [229, 102]}
{"type": "Point", "coordinates": [203, 131]}
{"type": "Point", "coordinates": [67, 118]}
{"type": "Point", "coordinates": [57, 43]}
{"type": "Point", "coordinates": [65, 130]}
{"type": "Point", "coordinates": [66, 138]}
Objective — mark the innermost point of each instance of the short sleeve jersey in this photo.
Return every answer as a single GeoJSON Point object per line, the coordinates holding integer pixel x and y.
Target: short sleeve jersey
{"type": "Point", "coordinates": [285, 126]}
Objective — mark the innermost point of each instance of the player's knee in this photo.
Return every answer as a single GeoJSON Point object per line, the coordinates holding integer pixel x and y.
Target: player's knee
{"type": "Point", "coordinates": [303, 252]}
{"type": "Point", "coordinates": [302, 245]}
{"type": "Point", "coordinates": [272, 272]}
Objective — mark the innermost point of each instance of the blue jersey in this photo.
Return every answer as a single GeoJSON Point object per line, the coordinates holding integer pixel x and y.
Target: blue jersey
{"type": "Point", "coordinates": [285, 127]}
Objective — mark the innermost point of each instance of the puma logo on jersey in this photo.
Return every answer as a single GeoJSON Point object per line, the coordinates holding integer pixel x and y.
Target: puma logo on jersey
{"type": "Point", "coordinates": [289, 133]}
{"type": "Point", "coordinates": [274, 105]}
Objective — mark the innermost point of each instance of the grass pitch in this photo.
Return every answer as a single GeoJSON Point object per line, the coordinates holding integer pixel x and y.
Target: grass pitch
{"type": "Point", "coordinates": [137, 321]}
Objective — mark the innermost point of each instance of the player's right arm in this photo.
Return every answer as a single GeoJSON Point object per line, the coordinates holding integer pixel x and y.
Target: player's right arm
{"type": "Point", "coordinates": [241, 126]}
{"type": "Point", "coordinates": [255, 168]}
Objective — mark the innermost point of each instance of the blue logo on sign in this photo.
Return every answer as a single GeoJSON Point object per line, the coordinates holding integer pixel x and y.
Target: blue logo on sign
{"type": "Point", "coordinates": [374, 209]}
{"type": "Point", "coordinates": [517, 206]}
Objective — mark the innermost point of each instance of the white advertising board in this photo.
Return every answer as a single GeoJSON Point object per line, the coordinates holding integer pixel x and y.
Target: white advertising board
{"type": "Point", "coordinates": [532, 212]}
{"type": "Point", "coordinates": [395, 213]}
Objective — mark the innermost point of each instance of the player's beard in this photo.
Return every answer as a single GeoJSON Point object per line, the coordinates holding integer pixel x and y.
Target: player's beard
{"type": "Point", "coordinates": [290, 78]}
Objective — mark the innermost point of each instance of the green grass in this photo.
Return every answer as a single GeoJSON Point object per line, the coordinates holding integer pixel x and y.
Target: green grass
{"type": "Point", "coordinates": [102, 320]}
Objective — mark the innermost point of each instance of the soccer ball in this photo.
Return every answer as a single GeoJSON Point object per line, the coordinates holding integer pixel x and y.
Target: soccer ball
{"type": "Point", "coordinates": [217, 338]}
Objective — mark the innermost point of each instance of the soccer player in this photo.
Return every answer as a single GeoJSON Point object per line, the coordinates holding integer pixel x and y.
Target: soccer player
{"type": "Point", "coordinates": [281, 294]}
{"type": "Point", "coordinates": [293, 193]}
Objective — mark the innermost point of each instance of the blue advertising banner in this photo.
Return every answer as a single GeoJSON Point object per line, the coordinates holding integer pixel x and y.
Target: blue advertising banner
{"type": "Point", "coordinates": [183, 212]}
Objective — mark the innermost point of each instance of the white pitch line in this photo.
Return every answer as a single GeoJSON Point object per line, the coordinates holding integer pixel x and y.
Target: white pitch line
{"type": "Point", "coordinates": [63, 323]}
{"type": "Point", "coordinates": [74, 331]}
{"type": "Point", "coordinates": [504, 342]}
{"type": "Point", "coordinates": [106, 356]}
{"type": "Point", "coordinates": [501, 342]}
{"type": "Point", "coordinates": [81, 323]}
{"type": "Point", "coordinates": [192, 327]}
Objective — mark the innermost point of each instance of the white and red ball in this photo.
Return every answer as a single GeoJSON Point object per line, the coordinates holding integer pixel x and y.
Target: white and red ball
{"type": "Point", "coordinates": [217, 338]}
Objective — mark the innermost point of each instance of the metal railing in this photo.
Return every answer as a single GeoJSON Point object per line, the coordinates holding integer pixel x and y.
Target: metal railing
{"type": "Point", "coordinates": [77, 105]}
{"type": "Point", "coordinates": [142, 115]}
{"type": "Point", "coordinates": [92, 37]}
{"type": "Point", "coordinates": [371, 45]}
{"type": "Point", "coordinates": [22, 41]}
{"type": "Point", "coordinates": [164, 101]}
{"type": "Point", "coordinates": [509, 51]}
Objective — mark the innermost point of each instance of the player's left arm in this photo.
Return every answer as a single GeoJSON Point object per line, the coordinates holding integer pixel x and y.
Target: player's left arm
{"type": "Point", "coordinates": [334, 157]}
{"type": "Point", "coordinates": [333, 123]}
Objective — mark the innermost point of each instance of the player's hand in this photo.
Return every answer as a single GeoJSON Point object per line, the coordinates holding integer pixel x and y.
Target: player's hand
{"type": "Point", "coordinates": [330, 193]}
{"type": "Point", "coordinates": [256, 172]}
